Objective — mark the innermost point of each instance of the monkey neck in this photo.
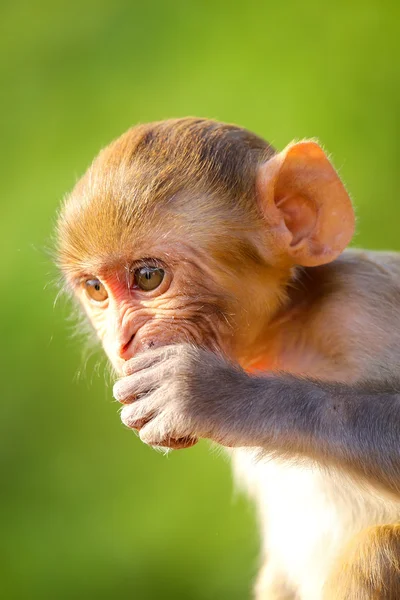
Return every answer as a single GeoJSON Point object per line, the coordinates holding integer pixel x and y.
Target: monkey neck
{"type": "Point", "coordinates": [283, 329]}
{"type": "Point", "coordinates": [261, 321]}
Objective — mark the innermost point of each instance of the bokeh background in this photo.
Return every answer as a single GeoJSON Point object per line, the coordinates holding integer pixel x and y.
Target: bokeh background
{"type": "Point", "coordinates": [87, 511]}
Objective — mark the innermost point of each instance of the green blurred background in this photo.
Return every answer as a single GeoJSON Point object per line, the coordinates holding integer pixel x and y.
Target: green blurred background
{"type": "Point", "coordinates": [88, 511]}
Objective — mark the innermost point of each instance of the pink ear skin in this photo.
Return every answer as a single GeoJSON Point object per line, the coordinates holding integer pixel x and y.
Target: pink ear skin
{"type": "Point", "coordinates": [306, 206]}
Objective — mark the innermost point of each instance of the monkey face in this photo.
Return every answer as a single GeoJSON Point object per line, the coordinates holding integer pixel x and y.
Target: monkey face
{"type": "Point", "coordinates": [154, 302]}
{"type": "Point", "coordinates": [188, 231]}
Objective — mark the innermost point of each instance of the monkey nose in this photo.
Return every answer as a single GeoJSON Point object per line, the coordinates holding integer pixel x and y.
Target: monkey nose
{"type": "Point", "coordinates": [125, 348]}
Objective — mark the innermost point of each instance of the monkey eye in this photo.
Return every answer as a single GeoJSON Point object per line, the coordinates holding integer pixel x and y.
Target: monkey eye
{"type": "Point", "coordinates": [148, 278]}
{"type": "Point", "coordinates": [95, 290]}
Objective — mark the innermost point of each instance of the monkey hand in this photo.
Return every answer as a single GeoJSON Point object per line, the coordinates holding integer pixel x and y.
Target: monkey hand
{"type": "Point", "coordinates": [175, 394]}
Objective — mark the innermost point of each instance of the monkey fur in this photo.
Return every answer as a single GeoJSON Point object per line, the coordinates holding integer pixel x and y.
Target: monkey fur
{"type": "Point", "coordinates": [215, 272]}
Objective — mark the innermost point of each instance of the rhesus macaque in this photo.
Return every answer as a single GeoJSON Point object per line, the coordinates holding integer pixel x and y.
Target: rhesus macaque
{"type": "Point", "coordinates": [213, 270]}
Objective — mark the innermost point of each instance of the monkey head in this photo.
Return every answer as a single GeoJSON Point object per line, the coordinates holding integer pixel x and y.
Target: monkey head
{"type": "Point", "coordinates": [188, 230]}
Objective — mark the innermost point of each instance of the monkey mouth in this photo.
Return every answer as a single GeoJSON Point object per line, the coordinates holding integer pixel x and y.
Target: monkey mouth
{"type": "Point", "coordinates": [140, 342]}
{"type": "Point", "coordinates": [154, 334]}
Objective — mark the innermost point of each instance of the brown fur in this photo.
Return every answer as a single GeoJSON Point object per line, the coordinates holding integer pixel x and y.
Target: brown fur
{"type": "Point", "coordinates": [244, 235]}
{"type": "Point", "coordinates": [153, 172]}
{"type": "Point", "coordinates": [369, 567]}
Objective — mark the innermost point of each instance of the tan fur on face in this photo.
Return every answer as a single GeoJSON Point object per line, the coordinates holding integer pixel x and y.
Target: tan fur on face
{"type": "Point", "coordinates": [123, 197]}
{"type": "Point", "coordinates": [180, 189]}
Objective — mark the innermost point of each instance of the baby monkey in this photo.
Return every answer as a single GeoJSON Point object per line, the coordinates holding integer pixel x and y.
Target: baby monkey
{"type": "Point", "coordinates": [213, 270]}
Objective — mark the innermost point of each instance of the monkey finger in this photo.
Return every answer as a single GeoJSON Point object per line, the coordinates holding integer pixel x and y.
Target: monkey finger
{"type": "Point", "coordinates": [123, 392]}
{"type": "Point", "coordinates": [137, 424]}
{"type": "Point", "coordinates": [179, 444]}
{"type": "Point", "coordinates": [157, 432]}
{"type": "Point", "coordinates": [136, 415]}
{"type": "Point", "coordinates": [128, 389]}
{"type": "Point", "coordinates": [144, 360]}
{"type": "Point", "coordinates": [148, 358]}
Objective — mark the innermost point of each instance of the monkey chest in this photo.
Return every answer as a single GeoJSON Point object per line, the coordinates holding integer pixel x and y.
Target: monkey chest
{"type": "Point", "coordinates": [307, 515]}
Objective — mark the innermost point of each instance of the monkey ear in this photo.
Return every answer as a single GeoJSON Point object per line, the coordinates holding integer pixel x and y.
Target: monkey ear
{"type": "Point", "coordinates": [306, 206]}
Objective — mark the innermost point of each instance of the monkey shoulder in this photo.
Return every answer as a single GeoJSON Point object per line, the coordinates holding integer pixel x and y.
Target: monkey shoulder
{"type": "Point", "coordinates": [369, 283]}
{"type": "Point", "coordinates": [357, 309]}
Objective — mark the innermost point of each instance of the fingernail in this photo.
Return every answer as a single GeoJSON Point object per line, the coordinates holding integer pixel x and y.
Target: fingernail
{"type": "Point", "coordinates": [127, 369]}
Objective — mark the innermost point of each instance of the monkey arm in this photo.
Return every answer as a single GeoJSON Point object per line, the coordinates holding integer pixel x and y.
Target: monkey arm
{"type": "Point", "coordinates": [182, 392]}
{"type": "Point", "coordinates": [353, 427]}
